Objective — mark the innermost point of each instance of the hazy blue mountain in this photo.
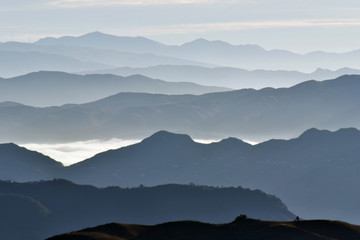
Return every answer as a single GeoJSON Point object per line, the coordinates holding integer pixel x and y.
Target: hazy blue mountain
{"type": "Point", "coordinates": [235, 78]}
{"type": "Point", "coordinates": [105, 41]}
{"type": "Point", "coordinates": [98, 49]}
{"type": "Point", "coordinates": [242, 228]}
{"type": "Point", "coordinates": [255, 115]}
{"type": "Point", "coordinates": [20, 164]}
{"type": "Point", "coordinates": [102, 57]}
{"type": "Point", "coordinates": [321, 74]}
{"type": "Point", "coordinates": [316, 174]}
{"type": "Point", "coordinates": [216, 52]}
{"type": "Point", "coordinates": [58, 88]}
{"type": "Point", "coordinates": [14, 63]}
{"type": "Point", "coordinates": [70, 206]}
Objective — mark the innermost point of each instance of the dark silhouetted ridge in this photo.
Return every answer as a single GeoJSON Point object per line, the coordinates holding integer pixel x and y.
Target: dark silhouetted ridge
{"type": "Point", "coordinates": [343, 134]}
{"type": "Point", "coordinates": [313, 132]}
{"type": "Point", "coordinates": [65, 206]}
{"type": "Point", "coordinates": [233, 142]}
{"type": "Point", "coordinates": [165, 137]}
{"type": "Point", "coordinates": [20, 215]}
{"type": "Point", "coordinates": [20, 164]}
{"type": "Point", "coordinates": [246, 229]}
{"type": "Point", "coordinates": [313, 173]}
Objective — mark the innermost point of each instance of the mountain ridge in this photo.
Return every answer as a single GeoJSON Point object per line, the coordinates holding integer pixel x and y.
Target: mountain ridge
{"type": "Point", "coordinates": [172, 158]}
{"type": "Point", "coordinates": [288, 112]}
{"type": "Point", "coordinates": [225, 54]}
{"type": "Point", "coordinates": [35, 61]}
{"type": "Point", "coordinates": [265, 166]}
{"type": "Point", "coordinates": [241, 228]}
{"type": "Point", "coordinates": [71, 206]}
{"type": "Point", "coordinates": [50, 88]}
{"type": "Point", "coordinates": [235, 78]}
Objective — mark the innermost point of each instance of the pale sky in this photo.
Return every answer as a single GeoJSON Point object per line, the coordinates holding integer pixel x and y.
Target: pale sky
{"type": "Point", "coordinates": [297, 25]}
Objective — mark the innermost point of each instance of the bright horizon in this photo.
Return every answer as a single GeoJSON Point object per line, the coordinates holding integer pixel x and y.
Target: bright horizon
{"type": "Point", "coordinates": [300, 25]}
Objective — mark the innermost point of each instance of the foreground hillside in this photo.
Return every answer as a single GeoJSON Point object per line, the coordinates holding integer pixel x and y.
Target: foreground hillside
{"type": "Point", "coordinates": [53, 207]}
{"type": "Point", "coordinates": [245, 229]}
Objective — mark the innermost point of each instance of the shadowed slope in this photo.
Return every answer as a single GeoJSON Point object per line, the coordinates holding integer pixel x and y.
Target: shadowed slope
{"type": "Point", "coordinates": [20, 164]}
{"type": "Point", "coordinates": [22, 217]}
{"type": "Point", "coordinates": [77, 206]}
{"type": "Point", "coordinates": [316, 174]}
{"type": "Point", "coordinates": [246, 229]}
{"type": "Point", "coordinates": [309, 172]}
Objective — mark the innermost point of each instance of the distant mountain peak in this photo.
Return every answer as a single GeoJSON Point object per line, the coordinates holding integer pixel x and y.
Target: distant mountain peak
{"type": "Point", "coordinates": [107, 35]}
{"type": "Point", "coordinates": [200, 40]}
{"type": "Point", "coordinates": [46, 73]}
{"type": "Point", "coordinates": [346, 69]}
{"type": "Point", "coordinates": [95, 33]}
{"type": "Point", "coordinates": [314, 133]}
{"type": "Point", "coordinates": [203, 41]}
{"type": "Point", "coordinates": [10, 104]}
{"type": "Point", "coordinates": [321, 71]}
{"type": "Point", "coordinates": [101, 40]}
{"type": "Point", "coordinates": [168, 137]}
{"type": "Point", "coordinates": [100, 35]}
{"type": "Point", "coordinates": [233, 141]}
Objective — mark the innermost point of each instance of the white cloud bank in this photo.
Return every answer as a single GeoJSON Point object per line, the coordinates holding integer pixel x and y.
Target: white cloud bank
{"type": "Point", "coordinates": [73, 152]}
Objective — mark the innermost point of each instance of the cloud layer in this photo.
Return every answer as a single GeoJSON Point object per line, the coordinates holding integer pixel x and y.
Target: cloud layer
{"type": "Point", "coordinates": [73, 152]}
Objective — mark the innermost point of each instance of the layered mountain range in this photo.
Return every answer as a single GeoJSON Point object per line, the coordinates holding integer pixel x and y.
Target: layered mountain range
{"type": "Point", "coordinates": [255, 115]}
{"type": "Point", "coordinates": [309, 173]}
{"type": "Point", "coordinates": [99, 86]}
{"type": "Point", "coordinates": [96, 51]}
{"type": "Point", "coordinates": [230, 77]}
{"type": "Point", "coordinates": [214, 52]}
{"type": "Point", "coordinates": [58, 88]}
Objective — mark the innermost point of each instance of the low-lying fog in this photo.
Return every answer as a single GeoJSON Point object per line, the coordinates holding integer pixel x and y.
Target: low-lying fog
{"type": "Point", "coordinates": [73, 152]}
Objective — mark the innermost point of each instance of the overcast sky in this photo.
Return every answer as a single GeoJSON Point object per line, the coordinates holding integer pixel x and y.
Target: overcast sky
{"type": "Point", "coordinates": [297, 25]}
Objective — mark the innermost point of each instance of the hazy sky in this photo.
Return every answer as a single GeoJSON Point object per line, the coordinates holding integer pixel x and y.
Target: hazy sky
{"type": "Point", "coordinates": [298, 25]}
